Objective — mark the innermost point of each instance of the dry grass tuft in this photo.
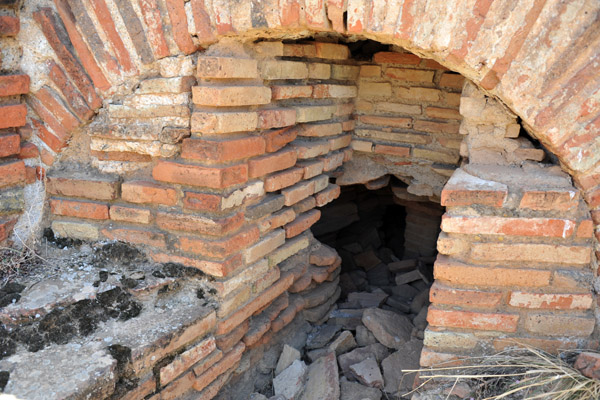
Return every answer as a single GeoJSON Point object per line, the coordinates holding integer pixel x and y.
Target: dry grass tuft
{"type": "Point", "coordinates": [526, 373]}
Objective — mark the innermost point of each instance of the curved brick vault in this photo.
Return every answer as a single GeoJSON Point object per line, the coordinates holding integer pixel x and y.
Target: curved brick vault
{"type": "Point", "coordinates": [540, 58]}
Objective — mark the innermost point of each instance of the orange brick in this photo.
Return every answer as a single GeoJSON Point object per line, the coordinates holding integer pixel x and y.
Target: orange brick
{"type": "Point", "coordinates": [442, 113]}
{"type": "Point", "coordinates": [276, 118]}
{"type": "Point", "coordinates": [222, 151]}
{"type": "Point", "coordinates": [202, 201]}
{"type": "Point", "coordinates": [227, 68]}
{"type": "Point", "coordinates": [227, 362]}
{"type": "Point", "coordinates": [320, 130]}
{"type": "Point", "coordinates": [136, 236]}
{"type": "Point", "coordinates": [283, 179]}
{"type": "Point", "coordinates": [396, 58]}
{"type": "Point", "coordinates": [6, 226]}
{"type": "Point", "coordinates": [219, 248]}
{"type": "Point", "coordinates": [547, 227]}
{"type": "Point", "coordinates": [265, 246]}
{"type": "Point", "coordinates": [216, 226]}
{"type": "Point", "coordinates": [370, 71]}
{"type": "Point", "coordinates": [328, 195]}
{"type": "Point", "coordinates": [10, 26]}
{"type": "Point", "coordinates": [332, 51]}
{"type": "Point", "coordinates": [463, 274]}
{"type": "Point", "coordinates": [230, 96]}
{"type": "Point", "coordinates": [473, 320]}
{"type": "Point", "coordinates": [340, 142]}
{"type": "Point", "coordinates": [554, 301]}
{"type": "Point", "coordinates": [311, 149]}
{"type": "Point", "coordinates": [410, 75]}
{"type": "Point", "coordinates": [185, 360]}
{"type": "Point", "coordinates": [550, 200]}
{"type": "Point", "coordinates": [392, 150]}
{"type": "Point", "coordinates": [130, 214]}
{"type": "Point", "coordinates": [437, 127]}
{"type": "Point", "coordinates": [272, 162]}
{"type": "Point", "coordinates": [95, 189]}
{"type": "Point", "coordinates": [12, 116]}
{"type": "Point", "coordinates": [265, 298]}
{"type": "Point", "coordinates": [121, 156]}
{"type": "Point", "coordinates": [227, 342]}
{"type": "Point", "coordinates": [301, 223]}
{"type": "Point", "coordinates": [79, 209]}
{"type": "Point", "coordinates": [451, 80]}
{"type": "Point", "coordinates": [276, 220]}
{"type": "Point", "coordinates": [212, 177]}
{"type": "Point", "coordinates": [585, 229]}
{"type": "Point", "coordinates": [395, 122]}
{"type": "Point", "coordinates": [291, 91]}
{"type": "Point", "coordinates": [298, 192]}
{"type": "Point", "coordinates": [559, 325]}
{"type": "Point", "coordinates": [442, 294]}
{"type": "Point", "coordinates": [277, 139]}
{"type": "Point", "coordinates": [332, 160]}
{"type": "Point", "coordinates": [10, 143]}
{"type": "Point", "coordinates": [148, 192]}
{"type": "Point", "coordinates": [530, 252]}
{"type": "Point", "coordinates": [311, 168]}
{"type": "Point", "coordinates": [30, 175]}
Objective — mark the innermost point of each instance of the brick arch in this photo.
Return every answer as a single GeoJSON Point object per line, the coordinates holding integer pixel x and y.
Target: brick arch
{"type": "Point", "coordinates": [539, 58]}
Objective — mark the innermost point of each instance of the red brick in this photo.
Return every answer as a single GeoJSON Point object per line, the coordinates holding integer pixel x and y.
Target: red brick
{"type": "Point", "coordinates": [220, 248]}
{"type": "Point", "coordinates": [320, 130]}
{"type": "Point", "coordinates": [84, 54]}
{"type": "Point", "coordinates": [49, 120]}
{"type": "Point", "coordinates": [442, 294]}
{"type": "Point", "coordinates": [148, 192]}
{"type": "Point", "coordinates": [277, 139]}
{"type": "Point", "coordinates": [130, 214]}
{"type": "Point", "coordinates": [392, 150]}
{"type": "Point", "coordinates": [9, 25]}
{"type": "Point", "coordinates": [291, 92]}
{"type": "Point", "coordinates": [12, 173]}
{"type": "Point", "coordinates": [79, 209]}
{"type": "Point", "coordinates": [272, 162]}
{"type": "Point", "coordinates": [396, 58]}
{"type": "Point", "coordinates": [47, 157]}
{"type": "Point", "coordinates": [276, 118]}
{"type": "Point", "coordinates": [473, 320]}
{"type": "Point", "coordinates": [55, 143]}
{"type": "Point", "coordinates": [136, 236]}
{"type": "Point", "coordinates": [328, 195]}
{"type": "Point", "coordinates": [585, 229]}
{"type": "Point", "coordinates": [301, 223]}
{"type": "Point", "coordinates": [26, 132]}
{"type": "Point", "coordinates": [546, 227]}
{"type": "Point", "coordinates": [10, 144]}
{"type": "Point", "coordinates": [48, 23]}
{"type": "Point", "coordinates": [212, 177]}
{"type": "Point", "coordinates": [348, 125]}
{"type": "Point", "coordinates": [220, 268]}
{"type": "Point", "coordinates": [29, 150]}
{"type": "Point", "coordinates": [229, 361]}
{"type": "Point", "coordinates": [456, 272]}
{"type": "Point", "coordinates": [276, 220]}
{"type": "Point", "coordinates": [550, 200]}
{"type": "Point", "coordinates": [185, 360]}
{"type": "Point", "coordinates": [265, 298]}
{"type": "Point", "coordinates": [554, 301]}
{"type": "Point", "coordinates": [79, 105]}
{"type": "Point", "coordinates": [222, 151]}
{"type": "Point", "coordinates": [89, 189]}
{"type": "Point", "coordinates": [53, 103]}
{"type": "Point", "coordinates": [30, 175]}
{"type": "Point", "coordinates": [6, 227]}
{"type": "Point", "coordinates": [199, 224]}
{"type": "Point", "coordinates": [12, 115]}
{"type": "Point", "coordinates": [311, 168]}
{"type": "Point", "coordinates": [154, 34]}
{"type": "Point", "coordinates": [108, 25]}
{"type": "Point", "coordinates": [11, 85]}
{"type": "Point", "coordinates": [226, 342]}
{"type": "Point", "coordinates": [396, 122]}
{"type": "Point", "coordinates": [202, 201]}
{"type": "Point", "coordinates": [298, 192]}
{"type": "Point", "coordinates": [283, 179]}
{"type": "Point", "coordinates": [311, 149]}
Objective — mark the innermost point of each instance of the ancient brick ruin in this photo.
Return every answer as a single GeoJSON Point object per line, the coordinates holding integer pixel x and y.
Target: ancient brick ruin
{"type": "Point", "coordinates": [210, 136]}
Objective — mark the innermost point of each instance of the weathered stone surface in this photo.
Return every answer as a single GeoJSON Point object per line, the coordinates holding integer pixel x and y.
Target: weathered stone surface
{"type": "Point", "coordinates": [364, 337]}
{"type": "Point", "coordinates": [390, 329]}
{"type": "Point", "coordinates": [287, 357]}
{"type": "Point", "coordinates": [407, 357]}
{"type": "Point", "coordinates": [323, 381]}
{"type": "Point", "coordinates": [376, 350]}
{"type": "Point", "coordinates": [367, 372]}
{"type": "Point", "coordinates": [321, 335]}
{"type": "Point", "coordinates": [290, 381]}
{"type": "Point", "coordinates": [355, 391]}
{"type": "Point", "coordinates": [343, 343]}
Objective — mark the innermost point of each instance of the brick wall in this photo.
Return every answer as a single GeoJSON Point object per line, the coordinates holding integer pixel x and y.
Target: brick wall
{"type": "Point", "coordinates": [515, 263]}
{"type": "Point", "coordinates": [14, 133]}
{"type": "Point", "coordinates": [408, 119]}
